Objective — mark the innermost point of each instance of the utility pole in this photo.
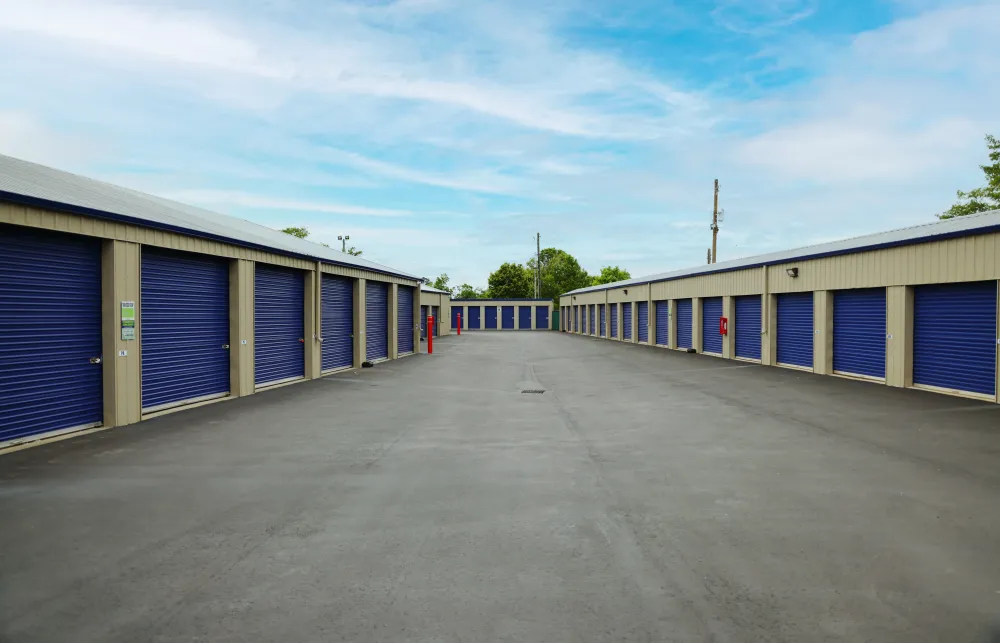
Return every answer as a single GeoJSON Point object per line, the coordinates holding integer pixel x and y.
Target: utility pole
{"type": "Point", "coordinates": [538, 265]}
{"type": "Point", "coordinates": [715, 225]}
{"type": "Point", "coordinates": [343, 242]}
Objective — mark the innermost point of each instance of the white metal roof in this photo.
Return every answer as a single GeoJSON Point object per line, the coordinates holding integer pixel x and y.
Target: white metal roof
{"type": "Point", "coordinates": [932, 231]}
{"type": "Point", "coordinates": [44, 186]}
{"type": "Point", "coordinates": [426, 288]}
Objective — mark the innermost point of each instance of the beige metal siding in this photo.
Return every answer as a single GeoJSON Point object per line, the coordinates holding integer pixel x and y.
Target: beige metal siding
{"type": "Point", "coordinates": [120, 282]}
{"type": "Point", "coordinates": [737, 282]}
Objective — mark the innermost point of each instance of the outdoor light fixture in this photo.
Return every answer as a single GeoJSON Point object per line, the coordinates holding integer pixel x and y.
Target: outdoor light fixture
{"type": "Point", "coordinates": [625, 291]}
{"type": "Point", "coordinates": [792, 272]}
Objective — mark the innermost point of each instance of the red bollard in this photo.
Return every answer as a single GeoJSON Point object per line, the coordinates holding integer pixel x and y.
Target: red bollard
{"type": "Point", "coordinates": [430, 334]}
{"type": "Point", "coordinates": [459, 323]}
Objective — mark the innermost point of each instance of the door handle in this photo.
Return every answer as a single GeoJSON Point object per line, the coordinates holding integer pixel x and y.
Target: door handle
{"type": "Point", "coordinates": [95, 360]}
{"type": "Point", "coordinates": [225, 346]}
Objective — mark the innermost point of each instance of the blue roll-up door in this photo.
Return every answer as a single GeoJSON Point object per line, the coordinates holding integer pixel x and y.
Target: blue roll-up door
{"type": "Point", "coordinates": [376, 321]}
{"type": "Point", "coordinates": [491, 317]}
{"type": "Point", "coordinates": [643, 321]}
{"type": "Point", "coordinates": [542, 317]}
{"type": "Point", "coordinates": [593, 319]}
{"type": "Point", "coordinates": [404, 319]}
{"type": "Point", "coordinates": [859, 332]}
{"type": "Point", "coordinates": [474, 322]}
{"type": "Point", "coordinates": [711, 312]}
{"type": "Point", "coordinates": [423, 322]}
{"type": "Point", "coordinates": [746, 326]}
{"type": "Point", "coordinates": [685, 324]}
{"type": "Point", "coordinates": [184, 317]}
{"type": "Point", "coordinates": [279, 324]}
{"type": "Point", "coordinates": [50, 330]}
{"type": "Point", "coordinates": [508, 317]}
{"type": "Point", "coordinates": [795, 329]}
{"type": "Point", "coordinates": [627, 320]}
{"type": "Point", "coordinates": [614, 321]}
{"type": "Point", "coordinates": [436, 314]}
{"type": "Point", "coordinates": [337, 321]}
{"type": "Point", "coordinates": [662, 322]}
{"type": "Point", "coordinates": [457, 314]}
{"type": "Point", "coordinates": [604, 320]}
{"type": "Point", "coordinates": [955, 336]}
{"type": "Point", "coordinates": [524, 318]}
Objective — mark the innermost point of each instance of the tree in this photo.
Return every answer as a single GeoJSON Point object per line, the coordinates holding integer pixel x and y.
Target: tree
{"type": "Point", "coordinates": [561, 273]}
{"type": "Point", "coordinates": [301, 233]}
{"type": "Point", "coordinates": [984, 198]}
{"type": "Point", "coordinates": [609, 275]}
{"type": "Point", "coordinates": [354, 252]}
{"type": "Point", "coordinates": [441, 283]}
{"type": "Point", "coordinates": [511, 280]}
{"type": "Point", "coordinates": [467, 291]}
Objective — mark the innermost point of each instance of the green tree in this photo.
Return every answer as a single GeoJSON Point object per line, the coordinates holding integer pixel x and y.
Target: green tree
{"type": "Point", "coordinates": [986, 197]}
{"type": "Point", "coordinates": [609, 275]}
{"type": "Point", "coordinates": [561, 273]}
{"type": "Point", "coordinates": [441, 283]}
{"type": "Point", "coordinates": [511, 280]}
{"type": "Point", "coordinates": [354, 252]}
{"type": "Point", "coordinates": [301, 233]}
{"type": "Point", "coordinates": [468, 291]}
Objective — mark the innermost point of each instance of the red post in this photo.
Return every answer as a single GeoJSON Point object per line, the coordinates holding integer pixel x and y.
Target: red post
{"type": "Point", "coordinates": [430, 334]}
{"type": "Point", "coordinates": [459, 315]}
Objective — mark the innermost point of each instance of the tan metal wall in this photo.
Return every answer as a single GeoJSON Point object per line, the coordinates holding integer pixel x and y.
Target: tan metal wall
{"type": "Point", "coordinates": [443, 302]}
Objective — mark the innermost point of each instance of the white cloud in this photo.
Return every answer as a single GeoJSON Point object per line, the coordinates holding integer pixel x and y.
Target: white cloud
{"type": "Point", "coordinates": [209, 198]}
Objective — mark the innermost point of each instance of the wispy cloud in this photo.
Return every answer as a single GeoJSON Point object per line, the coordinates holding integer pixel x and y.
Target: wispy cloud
{"type": "Point", "coordinates": [210, 198]}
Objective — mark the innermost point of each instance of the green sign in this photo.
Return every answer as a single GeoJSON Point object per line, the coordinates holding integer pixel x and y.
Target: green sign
{"type": "Point", "coordinates": [128, 320]}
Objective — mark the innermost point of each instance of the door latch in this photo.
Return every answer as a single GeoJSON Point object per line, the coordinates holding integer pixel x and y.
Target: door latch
{"type": "Point", "coordinates": [225, 346]}
{"type": "Point", "coordinates": [95, 360]}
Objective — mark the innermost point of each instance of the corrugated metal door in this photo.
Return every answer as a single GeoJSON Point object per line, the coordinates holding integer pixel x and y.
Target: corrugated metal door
{"type": "Point", "coordinates": [685, 324]}
{"type": "Point", "coordinates": [474, 322]}
{"type": "Point", "coordinates": [423, 322]}
{"type": "Point", "coordinates": [524, 318]}
{"type": "Point", "coordinates": [711, 312]}
{"type": "Point", "coordinates": [593, 319]}
{"type": "Point", "coordinates": [508, 317]}
{"type": "Point", "coordinates": [614, 320]}
{"type": "Point", "coordinates": [643, 321]}
{"type": "Point", "coordinates": [746, 327]}
{"type": "Point", "coordinates": [376, 320]}
{"type": "Point", "coordinates": [50, 329]}
{"type": "Point", "coordinates": [404, 319]}
{"type": "Point", "coordinates": [859, 332]}
{"type": "Point", "coordinates": [795, 329]}
{"type": "Point", "coordinates": [456, 311]}
{"type": "Point", "coordinates": [627, 320]}
{"type": "Point", "coordinates": [662, 322]}
{"type": "Point", "coordinates": [279, 324]}
{"type": "Point", "coordinates": [604, 320]}
{"type": "Point", "coordinates": [436, 314]}
{"type": "Point", "coordinates": [955, 336]}
{"type": "Point", "coordinates": [337, 317]}
{"type": "Point", "coordinates": [576, 319]}
{"type": "Point", "coordinates": [491, 317]}
{"type": "Point", "coordinates": [184, 313]}
{"type": "Point", "coordinates": [542, 317]}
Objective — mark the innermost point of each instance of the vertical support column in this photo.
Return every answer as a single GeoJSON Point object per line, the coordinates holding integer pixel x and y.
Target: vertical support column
{"type": "Point", "coordinates": [823, 332]}
{"type": "Point", "coordinates": [696, 325]}
{"type": "Point", "coordinates": [728, 344]}
{"type": "Point", "coordinates": [393, 321]}
{"type": "Point", "coordinates": [313, 357]}
{"type": "Point", "coordinates": [899, 336]}
{"type": "Point", "coordinates": [241, 366]}
{"type": "Point", "coordinates": [651, 318]}
{"type": "Point", "coordinates": [517, 316]}
{"type": "Point", "coordinates": [769, 347]}
{"type": "Point", "coordinates": [620, 321]}
{"type": "Point", "coordinates": [122, 376]}
{"type": "Point", "coordinates": [416, 319]}
{"type": "Point", "coordinates": [359, 322]}
{"type": "Point", "coordinates": [672, 329]}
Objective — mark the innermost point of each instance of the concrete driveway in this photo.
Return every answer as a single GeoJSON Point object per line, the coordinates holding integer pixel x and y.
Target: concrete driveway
{"type": "Point", "coordinates": [646, 495]}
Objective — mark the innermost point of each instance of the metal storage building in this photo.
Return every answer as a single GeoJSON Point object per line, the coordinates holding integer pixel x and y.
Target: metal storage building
{"type": "Point", "coordinates": [503, 314]}
{"type": "Point", "coordinates": [437, 302]}
{"type": "Point", "coordinates": [116, 306]}
{"type": "Point", "coordinates": [915, 307]}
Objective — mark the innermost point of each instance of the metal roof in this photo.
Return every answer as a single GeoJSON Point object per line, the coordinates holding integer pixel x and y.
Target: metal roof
{"type": "Point", "coordinates": [426, 288]}
{"type": "Point", "coordinates": [934, 231]}
{"type": "Point", "coordinates": [46, 187]}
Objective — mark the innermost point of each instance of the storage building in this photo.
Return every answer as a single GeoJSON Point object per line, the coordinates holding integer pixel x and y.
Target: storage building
{"type": "Point", "coordinates": [503, 314]}
{"type": "Point", "coordinates": [915, 307]}
{"type": "Point", "coordinates": [117, 306]}
{"type": "Point", "coordinates": [436, 302]}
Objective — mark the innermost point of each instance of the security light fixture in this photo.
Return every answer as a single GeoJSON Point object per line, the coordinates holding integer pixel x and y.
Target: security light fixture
{"type": "Point", "coordinates": [792, 272]}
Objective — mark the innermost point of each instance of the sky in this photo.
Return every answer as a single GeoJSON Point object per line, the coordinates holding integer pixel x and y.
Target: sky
{"type": "Point", "coordinates": [441, 135]}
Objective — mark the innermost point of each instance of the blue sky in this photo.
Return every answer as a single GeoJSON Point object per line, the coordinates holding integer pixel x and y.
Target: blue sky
{"type": "Point", "coordinates": [442, 134]}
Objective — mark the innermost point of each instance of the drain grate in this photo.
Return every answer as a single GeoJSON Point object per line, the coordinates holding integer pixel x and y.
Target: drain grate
{"type": "Point", "coordinates": [535, 391]}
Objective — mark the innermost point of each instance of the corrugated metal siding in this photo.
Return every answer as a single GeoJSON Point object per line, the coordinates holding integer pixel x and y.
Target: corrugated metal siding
{"type": "Point", "coordinates": [747, 326]}
{"type": "Point", "coordinates": [955, 336]}
{"type": "Point", "coordinates": [491, 317]}
{"type": "Point", "coordinates": [475, 318]}
{"type": "Point", "coordinates": [662, 323]}
{"type": "Point", "coordinates": [738, 282]}
{"type": "Point", "coordinates": [436, 314]}
{"type": "Point", "coordinates": [524, 317]}
{"type": "Point", "coordinates": [795, 329]}
{"type": "Point", "coordinates": [279, 324]}
{"type": "Point", "coordinates": [376, 321]}
{"type": "Point", "coordinates": [456, 311]}
{"type": "Point", "coordinates": [685, 324]}
{"type": "Point", "coordinates": [859, 332]}
{"type": "Point", "coordinates": [614, 321]}
{"type": "Point", "coordinates": [711, 312]}
{"type": "Point", "coordinates": [424, 312]}
{"type": "Point", "coordinates": [542, 317]}
{"type": "Point", "coordinates": [337, 315]}
{"type": "Point", "coordinates": [184, 312]}
{"type": "Point", "coordinates": [593, 320]}
{"type": "Point", "coordinates": [404, 320]}
{"type": "Point", "coordinates": [643, 321]}
{"type": "Point", "coordinates": [50, 328]}
{"type": "Point", "coordinates": [627, 320]}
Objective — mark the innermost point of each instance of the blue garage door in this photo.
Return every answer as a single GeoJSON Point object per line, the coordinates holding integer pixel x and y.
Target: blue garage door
{"type": "Point", "coordinates": [685, 325]}
{"type": "Point", "coordinates": [491, 317]}
{"type": "Point", "coordinates": [747, 327]}
{"type": "Point", "coordinates": [50, 330]}
{"type": "Point", "coordinates": [711, 312]}
{"type": "Point", "coordinates": [436, 314]}
{"type": "Point", "coordinates": [376, 321]}
{"type": "Point", "coordinates": [604, 320]}
{"type": "Point", "coordinates": [859, 332]}
{"type": "Point", "coordinates": [508, 317]}
{"type": "Point", "coordinates": [457, 314]}
{"type": "Point", "coordinates": [337, 317]}
{"type": "Point", "coordinates": [542, 317]}
{"type": "Point", "coordinates": [955, 336]}
{"type": "Point", "coordinates": [184, 317]}
{"type": "Point", "coordinates": [474, 321]}
{"type": "Point", "coordinates": [524, 318]}
{"type": "Point", "coordinates": [404, 319]}
{"type": "Point", "coordinates": [593, 320]}
{"type": "Point", "coordinates": [795, 329]}
{"type": "Point", "coordinates": [423, 322]}
{"type": "Point", "coordinates": [614, 320]}
{"type": "Point", "coordinates": [662, 322]}
{"type": "Point", "coordinates": [627, 320]}
{"type": "Point", "coordinates": [279, 324]}
{"type": "Point", "coordinates": [643, 321]}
